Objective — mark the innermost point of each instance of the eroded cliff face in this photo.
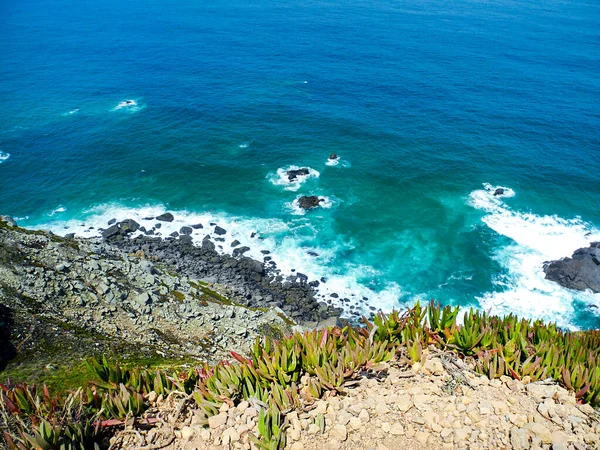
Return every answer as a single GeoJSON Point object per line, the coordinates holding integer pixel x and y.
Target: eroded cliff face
{"type": "Point", "coordinates": [63, 299]}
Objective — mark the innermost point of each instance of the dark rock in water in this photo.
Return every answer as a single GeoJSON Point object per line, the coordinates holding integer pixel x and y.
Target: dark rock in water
{"type": "Point", "coordinates": [185, 239]}
{"type": "Point", "coordinates": [174, 234]}
{"type": "Point", "coordinates": [235, 243]}
{"type": "Point", "coordinates": [148, 218]}
{"type": "Point", "coordinates": [499, 191]}
{"type": "Point", "coordinates": [302, 277]}
{"type": "Point", "coordinates": [334, 295]}
{"type": "Point", "coordinates": [580, 272]}
{"type": "Point", "coordinates": [129, 226]}
{"type": "Point", "coordinates": [333, 156]}
{"type": "Point", "coordinates": [197, 226]}
{"type": "Point", "coordinates": [293, 174]}
{"type": "Point", "coordinates": [323, 280]}
{"type": "Point", "coordinates": [314, 283]}
{"type": "Point", "coordinates": [111, 231]}
{"type": "Point", "coordinates": [166, 217]}
{"type": "Point", "coordinates": [186, 230]}
{"type": "Point", "coordinates": [143, 229]}
{"type": "Point", "coordinates": [150, 233]}
{"type": "Point", "coordinates": [212, 224]}
{"type": "Point", "coordinates": [8, 220]}
{"type": "Point", "coordinates": [253, 234]}
{"type": "Point", "coordinates": [69, 235]}
{"type": "Point", "coordinates": [220, 231]}
{"type": "Point", "coordinates": [220, 239]}
{"type": "Point", "coordinates": [308, 201]}
{"type": "Point", "coordinates": [240, 251]}
{"type": "Point", "coordinates": [158, 225]}
{"type": "Point", "coordinates": [311, 253]}
{"type": "Point", "coordinates": [265, 252]}
{"type": "Point", "coordinates": [112, 221]}
{"type": "Point", "coordinates": [207, 244]}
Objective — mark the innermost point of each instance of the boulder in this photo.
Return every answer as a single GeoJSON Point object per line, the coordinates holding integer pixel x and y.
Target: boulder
{"type": "Point", "coordinates": [498, 191]}
{"type": "Point", "coordinates": [197, 226]}
{"type": "Point", "coordinates": [333, 156]}
{"type": "Point", "coordinates": [112, 221]}
{"type": "Point", "coordinates": [129, 226]}
{"type": "Point", "coordinates": [111, 231]}
{"type": "Point", "coordinates": [580, 272]}
{"type": "Point", "coordinates": [166, 217]}
{"type": "Point", "coordinates": [207, 244]}
{"type": "Point", "coordinates": [186, 230]}
{"type": "Point", "coordinates": [294, 173]}
{"type": "Point", "coordinates": [309, 201]}
{"type": "Point", "coordinates": [220, 231]}
{"type": "Point", "coordinates": [235, 243]}
{"type": "Point", "coordinates": [185, 239]}
{"type": "Point", "coordinates": [240, 251]}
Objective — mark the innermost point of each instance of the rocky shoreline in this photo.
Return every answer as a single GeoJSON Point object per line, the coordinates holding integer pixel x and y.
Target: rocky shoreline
{"type": "Point", "coordinates": [242, 279]}
{"type": "Point", "coordinates": [64, 298]}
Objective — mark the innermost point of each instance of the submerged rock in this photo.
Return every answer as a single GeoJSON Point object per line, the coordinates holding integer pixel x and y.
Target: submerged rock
{"type": "Point", "coordinates": [580, 272]}
{"type": "Point", "coordinates": [498, 191]}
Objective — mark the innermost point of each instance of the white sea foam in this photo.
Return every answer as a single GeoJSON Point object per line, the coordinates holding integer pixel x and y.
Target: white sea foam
{"type": "Point", "coordinates": [129, 106]}
{"type": "Point", "coordinates": [4, 156]}
{"type": "Point", "coordinates": [523, 289]}
{"type": "Point", "coordinates": [70, 113]}
{"type": "Point", "coordinates": [290, 244]}
{"type": "Point", "coordinates": [333, 162]}
{"type": "Point", "coordinates": [59, 209]}
{"type": "Point", "coordinates": [244, 145]}
{"type": "Point", "coordinates": [280, 177]}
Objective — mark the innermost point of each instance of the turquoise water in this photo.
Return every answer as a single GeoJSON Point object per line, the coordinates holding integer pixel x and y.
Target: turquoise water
{"type": "Point", "coordinates": [423, 102]}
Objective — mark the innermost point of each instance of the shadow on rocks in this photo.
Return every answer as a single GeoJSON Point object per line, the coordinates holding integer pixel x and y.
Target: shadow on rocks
{"type": "Point", "coordinates": [7, 349]}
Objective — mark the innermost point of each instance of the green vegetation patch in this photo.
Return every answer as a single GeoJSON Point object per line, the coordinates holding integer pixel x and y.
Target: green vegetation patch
{"type": "Point", "coordinates": [328, 359]}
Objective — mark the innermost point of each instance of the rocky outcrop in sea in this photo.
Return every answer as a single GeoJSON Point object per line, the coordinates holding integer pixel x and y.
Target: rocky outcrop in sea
{"type": "Point", "coordinates": [579, 272]}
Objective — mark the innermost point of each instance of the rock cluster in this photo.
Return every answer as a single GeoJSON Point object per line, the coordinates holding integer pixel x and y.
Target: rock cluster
{"type": "Point", "coordinates": [242, 279]}
{"type": "Point", "coordinates": [439, 405]}
{"type": "Point", "coordinates": [580, 272]}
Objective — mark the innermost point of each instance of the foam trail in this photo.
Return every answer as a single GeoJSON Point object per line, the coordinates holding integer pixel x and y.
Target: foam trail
{"type": "Point", "coordinates": [290, 243]}
{"type": "Point", "coordinates": [280, 177]}
{"type": "Point", "coordinates": [4, 156]}
{"type": "Point", "coordinates": [59, 209]}
{"type": "Point", "coordinates": [523, 289]}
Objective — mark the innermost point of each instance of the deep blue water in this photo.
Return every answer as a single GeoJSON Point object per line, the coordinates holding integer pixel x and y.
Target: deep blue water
{"type": "Point", "coordinates": [423, 102]}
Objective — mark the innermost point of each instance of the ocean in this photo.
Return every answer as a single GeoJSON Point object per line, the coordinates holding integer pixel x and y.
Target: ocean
{"type": "Point", "coordinates": [430, 106]}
